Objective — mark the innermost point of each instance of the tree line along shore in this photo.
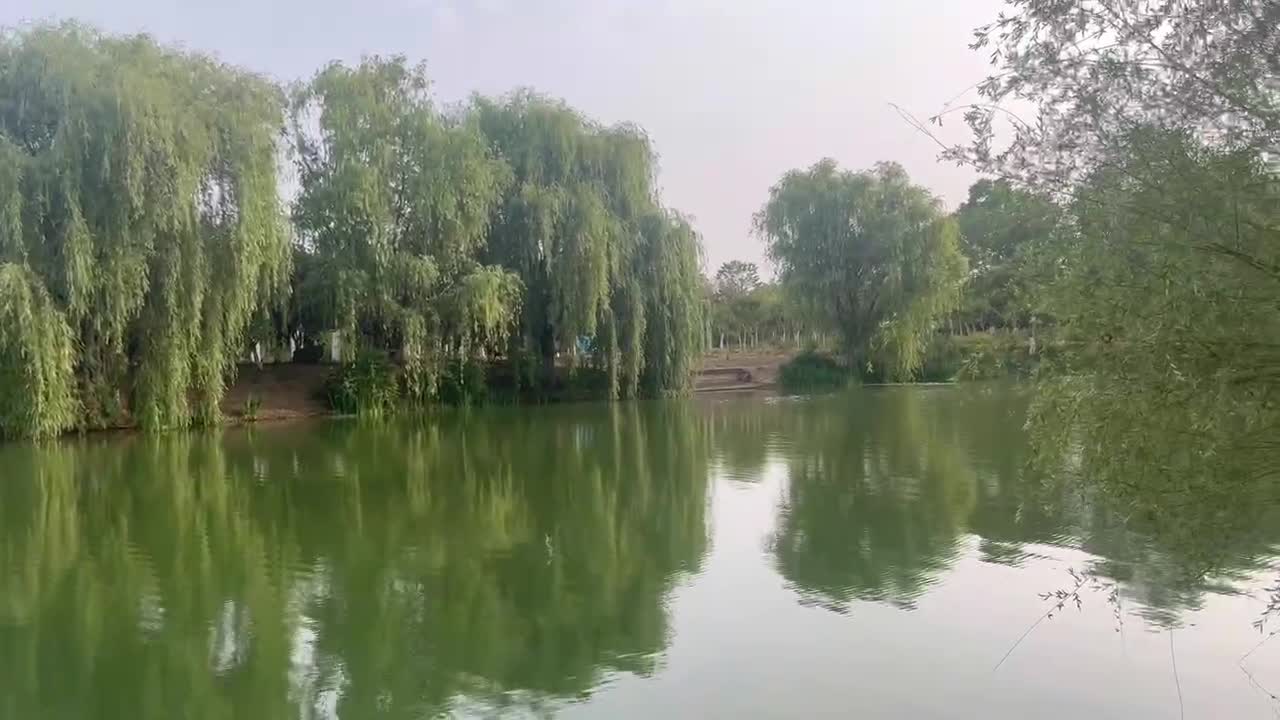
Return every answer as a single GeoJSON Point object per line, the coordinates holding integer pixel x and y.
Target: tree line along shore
{"type": "Point", "coordinates": [166, 217]}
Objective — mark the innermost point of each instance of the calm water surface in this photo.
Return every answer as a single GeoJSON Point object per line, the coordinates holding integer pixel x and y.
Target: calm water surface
{"type": "Point", "coordinates": [873, 554]}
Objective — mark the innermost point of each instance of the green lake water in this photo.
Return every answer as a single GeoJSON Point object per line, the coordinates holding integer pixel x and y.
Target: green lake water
{"type": "Point", "coordinates": [872, 554]}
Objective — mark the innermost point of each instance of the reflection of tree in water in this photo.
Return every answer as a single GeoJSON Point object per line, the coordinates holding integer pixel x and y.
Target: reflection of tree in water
{"type": "Point", "coordinates": [882, 483]}
{"type": "Point", "coordinates": [1182, 490]}
{"type": "Point", "coordinates": [744, 431]}
{"type": "Point", "coordinates": [511, 557]}
{"type": "Point", "coordinates": [508, 556]}
{"type": "Point", "coordinates": [876, 498]}
{"type": "Point", "coordinates": [1012, 510]}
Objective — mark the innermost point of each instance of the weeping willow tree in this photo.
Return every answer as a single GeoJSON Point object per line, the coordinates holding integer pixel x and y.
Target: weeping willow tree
{"type": "Point", "coordinates": [582, 228]}
{"type": "Point", "coordinates": [139, 228]}
{"type": "Point", "coordinates": [395, 205]}
{"type": "Point", "coordinates": [871, 254]}
{"type": "Point", "coordinates": [142, 240]}
{"type": "Point", "coordinates": [668, 262]}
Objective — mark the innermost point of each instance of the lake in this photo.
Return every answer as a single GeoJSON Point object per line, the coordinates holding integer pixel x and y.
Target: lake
{"type": "Point", "coordinates": [880, 553]}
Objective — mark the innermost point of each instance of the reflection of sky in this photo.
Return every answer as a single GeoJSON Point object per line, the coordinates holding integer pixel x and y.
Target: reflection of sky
{"type": "Point", "coordinates": [315, 692]}
{"type": "Point", "coordinates": [733, 92]}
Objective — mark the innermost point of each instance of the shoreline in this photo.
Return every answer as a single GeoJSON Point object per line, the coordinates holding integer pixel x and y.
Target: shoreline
{"type": "Point", "coordinates": [290, 392]}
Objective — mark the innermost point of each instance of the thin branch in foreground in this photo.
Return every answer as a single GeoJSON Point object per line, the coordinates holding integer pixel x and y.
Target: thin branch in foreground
{"type": "Point", "coordinates": [1259, 687]}
{"type": "Point", "coordinates": [1177, 683]}
{"type": "Point", "coordinates": [1062, 596]}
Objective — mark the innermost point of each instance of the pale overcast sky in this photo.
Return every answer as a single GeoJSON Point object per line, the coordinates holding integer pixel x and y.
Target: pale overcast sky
{"type": "Point", "coordinates": [733, 92]}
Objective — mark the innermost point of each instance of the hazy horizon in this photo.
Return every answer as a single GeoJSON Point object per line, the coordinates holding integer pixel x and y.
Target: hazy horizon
{"type": "Point", "coordinates": [732, 94]}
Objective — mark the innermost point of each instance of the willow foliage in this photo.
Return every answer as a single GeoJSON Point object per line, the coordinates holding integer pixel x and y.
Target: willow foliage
{"type": "Point", "coordinates": [139, 225]}
{"type": "Point", "coordinates": [395, 207]}
{"type": "Point", "coordinates": [583, 229]}
{"type": "Point", "coordinates": [669, 260]}
{"type": "Point", "coordinates": [1165, 285]}
{"type": "Point", "coordinates": [870, 253]}
{"type": "Point", "coordinates": [1156, 124]}
{"type": "Point", "coordinates": [37, 359]}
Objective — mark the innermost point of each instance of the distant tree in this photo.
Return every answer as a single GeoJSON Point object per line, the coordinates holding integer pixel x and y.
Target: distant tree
{"type": "Point", "coordinates": [872, 254]}
{"type": "Point", "coordinates": [737, 278]}
{"type": "Point", "coordinates": [999, 225]}
{"type": "Point", "coordinates": [738, 303]}
{"type": "Point", "coordinates": [769, 306]}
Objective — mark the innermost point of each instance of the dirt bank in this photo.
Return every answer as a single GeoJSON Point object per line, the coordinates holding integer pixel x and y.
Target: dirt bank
{"type": "Point", "coordinates": [291, 391]}
{"type": "Point", "coordinates": [280, 392]}
{"type": "Point", "coordinates": [740, 370]}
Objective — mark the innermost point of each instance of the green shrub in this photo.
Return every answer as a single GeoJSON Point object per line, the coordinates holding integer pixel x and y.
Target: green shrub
{"type": "Point", "coordinates": [463, 382]}
{"type": "Point", "coordinates": [369, 386]}
{"type": "Point", "coordinates": [812, 370]}
{"type": "Point", "coordinates": [943, 359]}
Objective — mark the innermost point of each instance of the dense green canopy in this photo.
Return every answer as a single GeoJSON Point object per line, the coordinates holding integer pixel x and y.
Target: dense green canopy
{"type": "Point", "coordinates": [1166, 288]}
{"type": "Point", "coordinates": [140, 228]}
{"type": "Point", "coordinates": [144, 248]}
{"type": "Point", "coordinates": [597, 254]}
{"type": "Point", "coordinates": [1001, 226]}
{"type": "Point", "coordinates": [394, 209]}
{"type": "Point", "coordinates": [1155, 125]}
{"type": "Point", "coordinates": [871, 254]}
